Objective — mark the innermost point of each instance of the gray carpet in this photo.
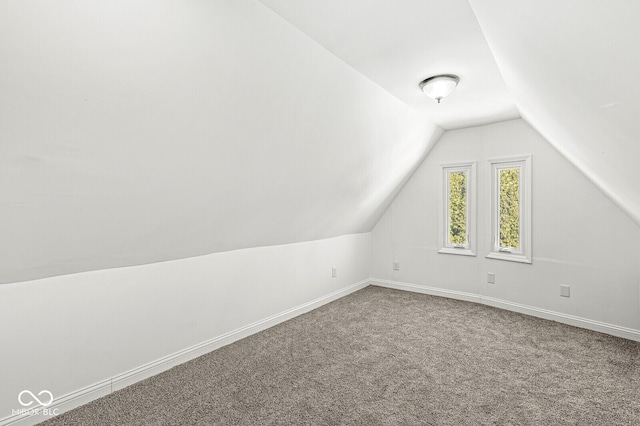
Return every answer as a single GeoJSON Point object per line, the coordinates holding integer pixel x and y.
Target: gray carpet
{"type": "Point", "coordinates": [386, 357]}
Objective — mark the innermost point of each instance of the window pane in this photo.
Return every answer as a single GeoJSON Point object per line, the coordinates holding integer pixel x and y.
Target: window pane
{"type": "Point", "coordinates": [458, 207]}
{"type": "Point", "coordinates": [509, 218]}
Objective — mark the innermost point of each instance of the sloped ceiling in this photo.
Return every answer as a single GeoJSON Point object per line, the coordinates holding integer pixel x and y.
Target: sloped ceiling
{"type": "Point", "coordinates": [136, 132]}
{"type": "Point", "coordinates": [397, 44]}
{"type": "Point", "coordinates": [572, 67]}
{"type": "Point", "coordinates": [567, 67]}
{"type": "Point", "coordinates": [140, 131]}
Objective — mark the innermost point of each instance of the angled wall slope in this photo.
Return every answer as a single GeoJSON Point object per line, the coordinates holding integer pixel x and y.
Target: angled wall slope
{"type": "Point", "coordinates": [572, 69]}
{"type": "Point", "coordinates": [137, 132]}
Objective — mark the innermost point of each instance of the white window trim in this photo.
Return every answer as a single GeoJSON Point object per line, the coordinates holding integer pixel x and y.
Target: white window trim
{"type": "Point", "coordinates": [524, 255]}
{"type": "Point", "coordinates": [443, 229]}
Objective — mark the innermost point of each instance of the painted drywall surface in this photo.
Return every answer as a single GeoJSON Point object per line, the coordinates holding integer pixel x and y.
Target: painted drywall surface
{"type": "Point", "coordinates": [136, 132]}
{"type": "Point", "coordinates": [399, 44]}
{"type": "Point", "coordinates": [571, 68]}
{"type": "Point", "coordinates": [67, 332]}
{"type": "Point", "coordinates": [580, 237]}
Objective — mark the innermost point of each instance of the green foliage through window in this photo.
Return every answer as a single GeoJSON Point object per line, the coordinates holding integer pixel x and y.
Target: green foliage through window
{"type": "Point", "coordinates": [458, 207]}
{"type": "Point", "coordinates": [509, 219]}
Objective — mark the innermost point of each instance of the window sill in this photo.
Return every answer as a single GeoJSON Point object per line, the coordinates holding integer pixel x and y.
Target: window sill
{"type": "Point", "coordinates": [520, 258]}
{"type": "Point", "coordinates": [458, 251]}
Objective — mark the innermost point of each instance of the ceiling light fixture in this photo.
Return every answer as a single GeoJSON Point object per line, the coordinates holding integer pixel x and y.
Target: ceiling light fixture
{"type": "Point", "coordinates": [439, 86]}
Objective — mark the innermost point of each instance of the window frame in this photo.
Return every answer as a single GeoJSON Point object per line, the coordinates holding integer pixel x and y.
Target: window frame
{"type": "Point", "coordinates": [524, 253]}
{"type": "Point", "coordinates": [445, 247]}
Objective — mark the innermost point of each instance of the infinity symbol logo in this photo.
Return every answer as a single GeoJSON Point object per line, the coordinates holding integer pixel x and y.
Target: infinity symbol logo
{"type": "Point", "coordinates": [35, 398]}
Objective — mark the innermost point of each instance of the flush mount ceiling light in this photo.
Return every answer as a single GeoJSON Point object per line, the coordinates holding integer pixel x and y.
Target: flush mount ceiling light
{"type": "Point", "coordinates": [439, 86]}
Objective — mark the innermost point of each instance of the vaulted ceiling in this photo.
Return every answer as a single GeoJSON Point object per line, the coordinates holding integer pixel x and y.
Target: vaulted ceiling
{"type": "Point", "coordinates": [136, 132]}
{"type": "Point", "coordinates": [569, 68]}
{"type": "Point", "coordinates": [397, 44]}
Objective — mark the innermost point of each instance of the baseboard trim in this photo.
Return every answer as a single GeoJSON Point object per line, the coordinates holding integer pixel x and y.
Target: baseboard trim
{"type": "Point", "coordinates": [602, 327]}
{"type": "Point", "coordinates": [85, 395]}
{"type": "Point", "coordinates": [434, 291]}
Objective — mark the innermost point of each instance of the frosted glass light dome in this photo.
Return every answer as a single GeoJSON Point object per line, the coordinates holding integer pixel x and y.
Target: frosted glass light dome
{"type": "Point", "coordinates": [439, 86]}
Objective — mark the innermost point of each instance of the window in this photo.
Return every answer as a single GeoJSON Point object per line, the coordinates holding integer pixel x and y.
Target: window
{"type": "Point", "coordinates": [457, 232]}
{"type": "Point", "coordinates": [511, 209]}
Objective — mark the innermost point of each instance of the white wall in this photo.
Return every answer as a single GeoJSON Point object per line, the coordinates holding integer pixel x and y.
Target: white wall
{"type": "Point", "coordinates": [68, 332]}
{"type": "Point", "coordinates": [141, 131]}
{"type": "Point", "coordinates": [580, 238]}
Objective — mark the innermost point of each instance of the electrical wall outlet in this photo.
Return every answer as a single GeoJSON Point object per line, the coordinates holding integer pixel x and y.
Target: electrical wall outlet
{"type": "Point", "coordinates": [334, 272]}
{"type": "Point", "coordinates": [491, 278]}
{"type": "Point", "coordinates": [396, 265]}
{"type": "Point", "coordinates": [565, 290]}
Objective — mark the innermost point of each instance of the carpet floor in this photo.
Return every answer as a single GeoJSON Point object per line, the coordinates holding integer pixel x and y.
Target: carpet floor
{"type": "Point", "coordinates": [387, 357]}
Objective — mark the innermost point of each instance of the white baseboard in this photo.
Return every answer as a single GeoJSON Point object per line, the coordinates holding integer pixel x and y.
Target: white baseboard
{"type": "Point", "coordinates": [602, 327]}
{"type": "Point", "coordinates": [105, 387]}
{"type": "Point", "coordinates": [434, 291]}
